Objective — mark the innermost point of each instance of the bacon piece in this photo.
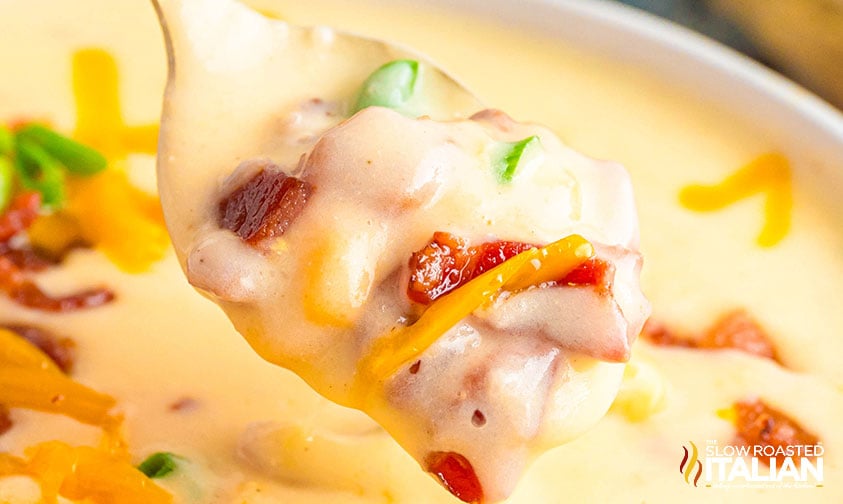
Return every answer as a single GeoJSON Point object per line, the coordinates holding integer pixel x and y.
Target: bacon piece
{"type": "Point", "coordinates": [26, 259]}
{"type": "Point", "coordinates": [592, 272]}
{"type": "Point", "coordinates": [447, 263]}
{"type": "Point", "coordinates": [21, 213]}
{"type": "Point", "coordinates": [456, 474]}
{"type": "Point", "coordinates": [26, 293]}
{"type": "Point", "coordinates": [62, 351]}
{"type": "Point", "coordinates": [14, 261]}
{"type": "Point", "coordinates": [659, 334]}
{"type": "Point", "coordinates": [735, 330]}
{"type": "Point", "coordinates": [5, 420]}
{"type": "Point", "coordinates": [738, 330]}
{"type": "Point", "coordinates": [265, 206]}
{"type": "Point", "coordinates": [758, 424]}
{"type": "Point", "coordinates": [489, 255]}
{"type": "Point", "coordinates": [438, 268]}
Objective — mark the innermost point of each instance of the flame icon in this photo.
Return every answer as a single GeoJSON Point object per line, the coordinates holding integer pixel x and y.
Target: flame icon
{"type": "Point", "coordinates": [690, 462]}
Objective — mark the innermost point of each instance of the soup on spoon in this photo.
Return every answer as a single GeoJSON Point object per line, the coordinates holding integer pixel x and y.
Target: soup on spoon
{"type": "Point", "coordinates": [467, 280]}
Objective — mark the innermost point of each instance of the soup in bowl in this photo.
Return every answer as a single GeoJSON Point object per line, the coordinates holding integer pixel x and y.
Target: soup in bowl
{"type": "Point", "coordinates": [735, 181]}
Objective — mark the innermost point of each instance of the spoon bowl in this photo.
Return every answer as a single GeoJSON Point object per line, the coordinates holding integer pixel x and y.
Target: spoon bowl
{"type": "Point", "coordinates": [254, 70]}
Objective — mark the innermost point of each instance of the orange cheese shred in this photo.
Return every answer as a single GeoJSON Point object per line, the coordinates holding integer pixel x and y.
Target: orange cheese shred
{"type": "Point", "coordinates": [118, 218]}
{"type": "Point", "coordinates": [768, 174]}
{"type": "Point", "coordinates": [30, 379]}
{"type": "Point", "coordinates": [99, 117]}
{"type": "Point", "coordinates": [531, 267]}
{"type": "Point", "coordinates": [122, 221]}
{"type": "Point", "coordinates": [84, 474]}
{"type": "Point", "coordinates": [101, 475]}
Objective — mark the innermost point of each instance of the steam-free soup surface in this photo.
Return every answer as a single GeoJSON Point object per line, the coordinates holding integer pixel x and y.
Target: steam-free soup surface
{"type": "Point", "coordinates": [259, 434]}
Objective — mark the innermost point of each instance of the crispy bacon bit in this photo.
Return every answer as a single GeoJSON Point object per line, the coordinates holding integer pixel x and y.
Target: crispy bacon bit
{"type": "Point", "coordinates": [438, 268]}
{"type": "Point", "coordinates": [447, 262]}
{"type": "Point", "coordinates": [5, 420]}
{"type": "Point", "coordinates": [658, 333]}
{"type": "Point", "coordinates": [15, 261]}
{"type": "Point", "coordinates": [738, 330]}
{"type": "Point", "coordinates": [26, 259]}
{"type": "Point", "coordinates": [592, 272]}
{"type": "Point", "coordinates": [26, 293]}
{"type": "Point", "coordinates": [761, 425]}
{"type": "Point", "coordinates": [492, 254]}
{"type": "Point", "coordinates": [456, 474]}
{"type": "Point", "coordinates": [264, 207]}
{"type": "Point", "coordinates": [62, 351]}
{"type": "Point", "coordinates": [21, 213]}
{"type": "Point", "coordinates": [735, 330]}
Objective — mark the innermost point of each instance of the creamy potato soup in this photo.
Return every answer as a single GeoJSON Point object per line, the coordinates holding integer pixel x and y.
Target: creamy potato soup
{"type": "Point", "coordinates": [120, 383]}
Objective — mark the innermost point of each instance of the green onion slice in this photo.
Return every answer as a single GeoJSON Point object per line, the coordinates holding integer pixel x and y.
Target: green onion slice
{"type": "Point", "coordinates": [7, 140]}
{"type": "Point", "coordinates": [39, 171]}
{"type": "Point", "coordinates": [6, 182]}
{"type": "Point", "coordinates": [159, 464]}
{"type": "Point", "coordinates": [507, 157]}
{"type": "Point", "coordinates": [76, 157]}
{"type": "Point", "coordinates": [392, 85]}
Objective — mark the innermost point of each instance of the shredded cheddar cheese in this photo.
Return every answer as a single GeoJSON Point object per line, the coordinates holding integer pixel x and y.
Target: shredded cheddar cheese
{"type": "Point", "coordinates": [29, 379]}
{"type": "Point", "coordinates": [106, 210]}
{"type": "Point", "coordinates": [54, 233]}
{"type": "Point", "coordinates": [18, 352]}
{"type": "Point", "coordinates": [84, 474]}
{"type": "Point", "coordinates": [131, 232]}
{"type": "Point", "coordinates": [99, 117]}
{"type": "Point", "coordinates": [768, 174]}
{"type": "Point", "coordinates": [729, 414]}
{"type": "Point", "coordinates": [103, 475]}
{"type": "Point", "coordinates": [53, 393]}
{"type": "Point", "coordinates": [531, 267]}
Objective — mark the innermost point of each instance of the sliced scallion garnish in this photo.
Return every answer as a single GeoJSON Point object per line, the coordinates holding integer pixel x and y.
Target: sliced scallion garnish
{"type": "Point", "coordinates": [40, 172]}
{"type": "Point", "coordinates": [158, 465]}
{"type": "Point", "coordinates": [35, 157]}
{"type": "Point", "coordinates": [7, 140]}
{"type": "Point", "coordinates": [392, 85]}
{"type": "Point", "coordinates": [508, 156]}
{"type": "Point", "coordinates": [76, 157]}
{"type": "Point", "coordinates": [6, 182]}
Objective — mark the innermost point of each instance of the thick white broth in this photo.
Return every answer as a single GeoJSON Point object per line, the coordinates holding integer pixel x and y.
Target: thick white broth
{"type": "Point", "coordinates": [162, 341]}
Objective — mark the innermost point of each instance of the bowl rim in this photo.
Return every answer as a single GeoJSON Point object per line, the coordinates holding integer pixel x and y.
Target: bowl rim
{"type": "Point", "coordinates": [712, 53]}
{"type": "Point", "coordinates": [633, 36]}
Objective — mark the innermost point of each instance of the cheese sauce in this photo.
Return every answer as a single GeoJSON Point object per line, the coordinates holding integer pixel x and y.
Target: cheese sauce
{"type": "Point", "coordinates": [256, 433]}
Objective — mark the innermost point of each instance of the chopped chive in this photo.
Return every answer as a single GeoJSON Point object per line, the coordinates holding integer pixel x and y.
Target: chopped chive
{"type": "Point", "coordinates": [76, 157]}
{"type": "Point", "coordinates": [39, 171]}
{"type": "Point", "coordinates": [158, 465]}
{"type": "Point", "coordinates": [392, 86]}
{"type": "Point", "coordinates": [509, 155]}
{"type": "Point", "coordinates": [7, 140]}
{"type": "Point", "coordinates": [6, 182]}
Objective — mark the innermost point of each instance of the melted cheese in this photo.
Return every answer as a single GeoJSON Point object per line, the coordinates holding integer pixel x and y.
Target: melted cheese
{"type": "Point", "coordinates": [161, 343]}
